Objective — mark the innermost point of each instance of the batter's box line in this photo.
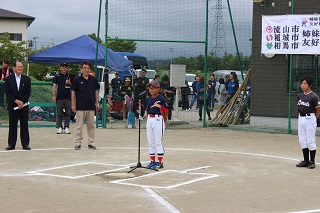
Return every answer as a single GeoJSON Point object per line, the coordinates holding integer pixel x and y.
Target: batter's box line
{"type": "Point", "coordinates": [207, 176]}
{"type": "Point", "coordinates": [40, 172]}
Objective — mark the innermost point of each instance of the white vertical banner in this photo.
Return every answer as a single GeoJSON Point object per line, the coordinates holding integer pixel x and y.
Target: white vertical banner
{"type": "Point", "coordinates": [291, 34]}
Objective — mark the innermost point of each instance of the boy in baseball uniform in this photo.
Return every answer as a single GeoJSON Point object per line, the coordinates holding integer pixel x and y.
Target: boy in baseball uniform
{"type": "Point", "coordinates": [309, 110]}
{"type": "Point", "coordinates": [156, 112]}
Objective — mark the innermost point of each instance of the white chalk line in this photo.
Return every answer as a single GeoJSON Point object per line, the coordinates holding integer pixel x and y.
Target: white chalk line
{"type": "Point", "coordinates": [307, 211]}
{"type": "Point", "coordinates": [59, 149]}
{"type": "Point", "coordinates": [176, 149]}
{"type": "Point", "coordinates": [126, 148]}
{"type": "Point", "coordinates": [206, 176]}
{"type": "Point", "coordinates": [80, 176]}
{"type": "Point", "coordinates": [198, 168]}
{"type": "Point", "coordinates": [168, 205]}
{"type": "Point", "coordinates": [41, 172]}
{"type": "Point", "coordinates": [77, 164]}
{"type": "Point", "coordinates": [161, 200]}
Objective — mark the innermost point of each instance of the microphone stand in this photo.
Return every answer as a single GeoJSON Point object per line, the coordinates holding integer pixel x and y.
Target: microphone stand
{"type": "Point", "coordinates": [139, 165]}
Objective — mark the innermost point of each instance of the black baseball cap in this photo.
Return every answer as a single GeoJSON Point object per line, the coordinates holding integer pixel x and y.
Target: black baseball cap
{"type": "Point", "coordinates": [63, 64]}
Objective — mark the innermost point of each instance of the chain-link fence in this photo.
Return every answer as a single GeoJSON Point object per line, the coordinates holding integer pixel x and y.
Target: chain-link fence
{"type": "Point", "coordinates": [42, 111]}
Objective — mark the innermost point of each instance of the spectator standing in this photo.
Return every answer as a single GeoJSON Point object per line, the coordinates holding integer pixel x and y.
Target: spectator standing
{"type": "Point", "coordinates": [126, 96]}
{"type": "Point", "coordinates": [116, 84]}
{"type": "Point", "coordinates": [184, 92]}
{"type": "Point", "coordinates": [18, 90]}
{"type": "Point", "coordinates": [5, 72]}
{"type": "Point", "coordinates": [61, 95]}
{"type": "Point", "coordinates": [140, 92]}
{"type": "Point", "coordinates": [194, 93]}
{"type": "Point", "coordinates": [200, 92]}
{"type": "Point", "coordinates": [233, 86]}
{"type": "Point", "coordinates": [168, 93]}
{"type": "Point", "coordinates": [227, 80]}
{"type": "Point", "coordinates": [84, 101]}
{"type": "Point", "coordinates": [222, 99]}
{"type": "Point", "coordinates": [211, 91]}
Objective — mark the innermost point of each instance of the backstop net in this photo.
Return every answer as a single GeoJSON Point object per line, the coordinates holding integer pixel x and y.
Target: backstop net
{"type": "Point", "coordinates": [176, 32]}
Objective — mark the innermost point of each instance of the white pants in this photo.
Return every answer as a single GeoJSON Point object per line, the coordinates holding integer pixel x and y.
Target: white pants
{"type": "Point", "coordinates": [155, 131]}
{"type": "Point", "coordinates": [307, 131]}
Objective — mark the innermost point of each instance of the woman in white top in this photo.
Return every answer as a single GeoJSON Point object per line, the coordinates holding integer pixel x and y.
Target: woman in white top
{"type": "Point", "coordinates": [223, 93]}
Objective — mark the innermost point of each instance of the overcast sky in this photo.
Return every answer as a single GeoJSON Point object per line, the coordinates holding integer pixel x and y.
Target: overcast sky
{"type": "Point", "coordinates": [57, 21]}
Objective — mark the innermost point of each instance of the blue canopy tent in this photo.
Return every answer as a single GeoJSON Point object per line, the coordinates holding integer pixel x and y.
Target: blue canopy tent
{"type": "Point", "coordinates": [78, 50]}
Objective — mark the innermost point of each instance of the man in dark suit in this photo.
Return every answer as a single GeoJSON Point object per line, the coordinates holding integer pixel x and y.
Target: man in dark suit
{"type": "Point", "coordinates": [18, 90]}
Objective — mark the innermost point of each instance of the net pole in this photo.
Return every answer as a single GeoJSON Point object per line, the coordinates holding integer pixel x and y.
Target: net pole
{"type": "Point", "coordinates": [98, 75]}
{"type": "Point", "coordinates": [205, 65]}
{"type": "Point", "coordinates": [290, 85]}
{"type": "Point", "coordinates": [235, 39]}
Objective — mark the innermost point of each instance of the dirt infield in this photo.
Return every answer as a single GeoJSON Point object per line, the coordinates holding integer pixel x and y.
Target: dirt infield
{"type": "Point", "coordinates": [206, 170]}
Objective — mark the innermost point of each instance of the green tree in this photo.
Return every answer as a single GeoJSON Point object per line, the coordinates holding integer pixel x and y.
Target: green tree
{"type": "Point", "coordinates": [117, 45]}
{"type": "Point", "coordinates": [12, 51]}
{"type": "Point", "coordinates": [122, 46]}
{"type": "Point", "coordinates": [94, 37]}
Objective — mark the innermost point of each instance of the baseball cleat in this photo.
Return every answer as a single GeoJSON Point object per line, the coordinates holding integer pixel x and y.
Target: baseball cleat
{"type": "Point", "coordinates": [312, 165]}
{"type": "Point", "coordinates": [151, 164]}
{"type": "Point", "coordinates": [156, 166]}
{"type": "Point", "coordinates": [303, 164]}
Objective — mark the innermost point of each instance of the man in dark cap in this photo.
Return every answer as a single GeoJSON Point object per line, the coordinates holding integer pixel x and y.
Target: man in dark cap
{"type": "Point", "coordinates": [126, 95]}
{"type": "Point", "coordinates": [116, 84]}
{"type": "Point", "coordinates": [61, 95]}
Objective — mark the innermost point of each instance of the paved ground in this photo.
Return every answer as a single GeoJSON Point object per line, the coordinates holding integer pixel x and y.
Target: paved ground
{"type": "Point", "coordinates": [206, 170]}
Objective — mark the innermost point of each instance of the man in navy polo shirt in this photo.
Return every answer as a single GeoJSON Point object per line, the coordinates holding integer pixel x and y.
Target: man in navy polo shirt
{"type": "Point", "coordinates": [84, 101]}
{"type": "Point", "coordinates": [61, 95]}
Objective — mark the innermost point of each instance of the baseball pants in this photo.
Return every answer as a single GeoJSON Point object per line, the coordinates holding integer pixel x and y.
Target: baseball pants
{"type": "Point", "coordinates": [307, 131]}
{"type": "Point", "coordinates": [155, 129]}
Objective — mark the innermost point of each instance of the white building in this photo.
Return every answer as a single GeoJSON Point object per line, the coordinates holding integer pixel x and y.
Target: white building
{"type": "Point", "coordinates": [15, 24]}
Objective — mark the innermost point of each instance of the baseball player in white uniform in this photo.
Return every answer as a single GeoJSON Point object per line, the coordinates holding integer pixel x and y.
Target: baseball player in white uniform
{"type": "Point", "coordinates": [309, 110]}
{"type": "Point", "coordinates": [157, 112]}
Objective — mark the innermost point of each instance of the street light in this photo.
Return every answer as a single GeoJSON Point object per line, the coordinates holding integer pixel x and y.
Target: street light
{"type": "Point", "coordinates": [35, 42]}
{"type": "Point", "coordinates": [171, 50]}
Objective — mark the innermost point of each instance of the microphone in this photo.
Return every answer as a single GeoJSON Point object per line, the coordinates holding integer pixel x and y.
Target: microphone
{"type": "Point", "coordinates": [144, 92]}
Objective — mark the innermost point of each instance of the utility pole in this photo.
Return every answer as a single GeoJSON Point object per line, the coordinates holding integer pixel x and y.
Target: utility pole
{"type": "Point", "coordinates": [35, 42]}
{"type": "Point", "coordinates": [171, 50]}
